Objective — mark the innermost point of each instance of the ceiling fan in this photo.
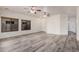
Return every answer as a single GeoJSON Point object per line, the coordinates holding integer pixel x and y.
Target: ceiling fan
{"type": "Point", "coordinates": [35, 10]}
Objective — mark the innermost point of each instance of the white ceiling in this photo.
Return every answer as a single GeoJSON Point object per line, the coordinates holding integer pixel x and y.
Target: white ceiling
{"type": "Point", "coordinates": [69, 10]}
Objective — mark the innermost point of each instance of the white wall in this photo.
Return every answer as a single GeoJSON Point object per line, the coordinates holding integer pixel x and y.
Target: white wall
{"type": "Point", "coordinates": [35, 22]}
{"type": "Point", "coordinates": [53, 24]}
{"type": "Point", "coordinates": [72, 23]}
{"type": "Point", "coordinates": [43, 24]}
{"type": "Point", "coordinates": [77, 23]}
{"type": "Point", "coordinates": [64, 24]}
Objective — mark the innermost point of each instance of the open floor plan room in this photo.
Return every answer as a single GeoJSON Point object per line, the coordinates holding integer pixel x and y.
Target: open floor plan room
{"type": "Point", "coordinates": [39, 29]}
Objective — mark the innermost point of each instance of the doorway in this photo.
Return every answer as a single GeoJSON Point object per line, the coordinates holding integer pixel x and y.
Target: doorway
{"type": "Point", "coordinates": [71, 40]}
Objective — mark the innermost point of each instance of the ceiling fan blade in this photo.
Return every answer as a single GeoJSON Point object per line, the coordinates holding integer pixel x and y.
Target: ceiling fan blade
{"type": "Point", "coordinates": [38, 10]}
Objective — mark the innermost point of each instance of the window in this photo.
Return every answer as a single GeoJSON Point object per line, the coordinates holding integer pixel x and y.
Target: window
{"type": "Point", "coordinates": [9, 24]}
{"type": "Point", "coordinates": [25, 25]}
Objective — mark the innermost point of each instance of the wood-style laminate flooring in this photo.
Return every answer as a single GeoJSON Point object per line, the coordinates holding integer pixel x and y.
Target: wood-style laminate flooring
{"type": "Point", "coordinates": [40, 42]}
